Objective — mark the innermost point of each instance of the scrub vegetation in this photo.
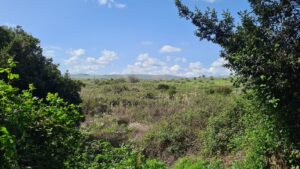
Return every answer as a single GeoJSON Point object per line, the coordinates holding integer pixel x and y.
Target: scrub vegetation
{"type": "Point", "coordinates": [247, 121]}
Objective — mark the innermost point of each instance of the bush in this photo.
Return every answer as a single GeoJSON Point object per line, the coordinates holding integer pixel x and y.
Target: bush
{"type": "Point", "coordinates": [163, 87]}
{"type": "Point", "coordinates": [173, 137]}
{"type": "Point", "coordinates": [149, 95]}
{"type": "Point", "coordinates": [44, 135]}
{"type": "Point", "coordinates": [221, 129]}
{"type": "Point", "coordinates": [253, 129]}
{"type": "Point", "coordinates": [172, 91]}
{"type": "Point", "coordinates": [107, 128]}
{"type": "Point", "coordinates": [225, 90]}
{"type": "Point", "coordinates": [8, 158]}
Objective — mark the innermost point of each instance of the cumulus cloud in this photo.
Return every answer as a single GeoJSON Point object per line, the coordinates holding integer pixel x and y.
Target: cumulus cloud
{"type": "Point", "coordinates": [75, 55]}
{"type": "Point", "coordinates": [169, 49]}
{"type": "Point", "coordinates": [217, 68]}
{"type": "Point", "coordinates": [89, 64]}
{"type": "Point", "coordinates": [111, 3]}
{"type": "Point", "coordinates": [106, 57]}
{"type": "Point", "coordinates": [175, 68]}
{"type": "Point", "coordinates": [195, 69]}
{"type": "Point", "coordinates": [145, 64]}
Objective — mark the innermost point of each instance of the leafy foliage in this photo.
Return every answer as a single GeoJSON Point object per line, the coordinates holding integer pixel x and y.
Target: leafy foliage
{"type": "Point", "coordinates": [44, 134]}
{"type": "Point", "coordinates": [37, 133]}
{"type": "Point", "coordinates": [98, 154]}
{"type": "Point", "coordinates": [263, 50]}
{"type": "Point", "coordinates": [33, 67]}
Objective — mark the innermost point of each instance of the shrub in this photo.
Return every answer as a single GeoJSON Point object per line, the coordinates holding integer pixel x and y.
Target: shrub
{"type": "Point", "coordinates": [149, 95]}
{"type": "Point", "coordinates": [39, 129]}
{"type": "Point", "coordinates": [168, 140]}
{"type": "Point", "coordinates": [107, 128]}
{"type": "Point", "coordinates": [173, 137]}
{"type": "Point", "coordinates": [221, 129]}
{"type": "Point", "coordinates": [8, 158]}
{"type": "Point", "coordinates": [163, 87]}
{"type": "Point", "coordinates": [225, 90]}
{"type": "Point", "coordinates": [172, 91]}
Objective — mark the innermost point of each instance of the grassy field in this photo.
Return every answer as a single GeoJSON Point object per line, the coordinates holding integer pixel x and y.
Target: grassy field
{"type": "Point", "coordinates": [162, 118]}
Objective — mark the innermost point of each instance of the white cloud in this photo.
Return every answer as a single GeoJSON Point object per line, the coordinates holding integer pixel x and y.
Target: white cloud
{"type": "Point", "coordinates": [111, 3]}
{"type": "Point", "coordinates": [90, 64]}
{"type": "Point", "coordinates": [145, 64]}
{"type": "Point", "coordinates": [195, 69]}
{"type": "Point", "coordinates": [175, 68]}
{"type": "Point", "coordinates": [75, 55]}
{"type": "Point", "coordinates": [106, 57]}
{"type": "Point", "coordinates": [169, 49]}
{"type": "Point", "coordinates": [217, 68]}
{"type": "Point", "coordinates": [76, 52]}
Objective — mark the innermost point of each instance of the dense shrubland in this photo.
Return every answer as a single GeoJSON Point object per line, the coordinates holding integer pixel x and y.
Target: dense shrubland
{"type": "Point", "coordinates": [144, 114]}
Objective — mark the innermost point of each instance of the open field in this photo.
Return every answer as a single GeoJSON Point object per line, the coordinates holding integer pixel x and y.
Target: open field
{"type": "Point", "coordinates": [163, 118]}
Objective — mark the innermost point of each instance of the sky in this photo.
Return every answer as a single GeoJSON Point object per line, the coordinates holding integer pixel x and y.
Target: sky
{"type": "Point", "coordinates": [120, 36]}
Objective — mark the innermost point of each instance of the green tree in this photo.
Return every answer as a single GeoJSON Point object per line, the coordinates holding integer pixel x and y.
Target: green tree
{"type": "Point", "coordinates": [33, 67]}
{"type": "Point", "coordinates": [263, 50]}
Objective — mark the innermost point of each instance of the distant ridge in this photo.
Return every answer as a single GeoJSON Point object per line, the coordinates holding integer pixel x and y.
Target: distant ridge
{"type": "Point", "coordinates": [117, 76]}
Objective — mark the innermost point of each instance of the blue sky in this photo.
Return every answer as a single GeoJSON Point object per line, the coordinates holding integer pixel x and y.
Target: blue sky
{"type": "Point", "coordinates": [120, 36]}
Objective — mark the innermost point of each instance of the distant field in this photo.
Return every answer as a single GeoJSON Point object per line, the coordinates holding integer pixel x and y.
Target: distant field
{"type": "Point", "coordinates": [118, 76]}
{"type": "Point", "coordinates": [162, 117]}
